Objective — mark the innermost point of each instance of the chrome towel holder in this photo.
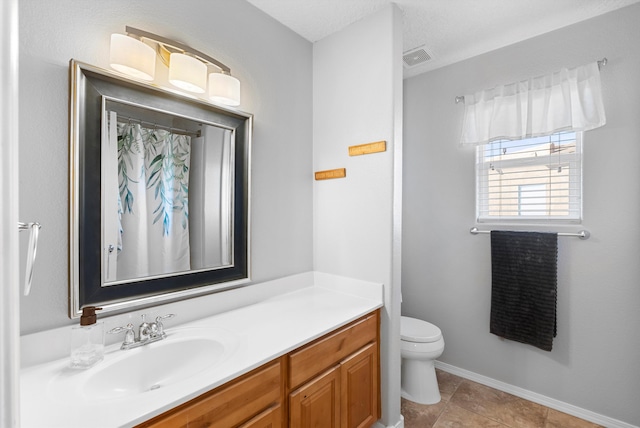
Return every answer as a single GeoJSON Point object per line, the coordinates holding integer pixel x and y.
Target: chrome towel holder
{"type": "Point", "coordinates": [583, 234]}
{"type": "Point", "coordinates": [34, 229]}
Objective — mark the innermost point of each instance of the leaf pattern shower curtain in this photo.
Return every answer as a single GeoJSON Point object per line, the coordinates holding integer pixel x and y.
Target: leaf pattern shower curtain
{"type": "Point", "coordinates": [153, 185]}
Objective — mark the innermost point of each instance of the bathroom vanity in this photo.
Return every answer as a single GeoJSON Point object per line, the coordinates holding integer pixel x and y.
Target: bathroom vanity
{"type": "Point", "coordinates": [308, 356]}
{"type": "Point", "coordinates": [333, 381]}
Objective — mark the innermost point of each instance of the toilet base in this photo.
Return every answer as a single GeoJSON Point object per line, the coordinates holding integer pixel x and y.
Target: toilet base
{"type": "Point", "coordinates": [419, 382]}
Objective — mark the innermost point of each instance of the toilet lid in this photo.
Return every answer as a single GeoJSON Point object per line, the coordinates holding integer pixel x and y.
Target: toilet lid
{"type": "Point", "coordinates": [415, 330]}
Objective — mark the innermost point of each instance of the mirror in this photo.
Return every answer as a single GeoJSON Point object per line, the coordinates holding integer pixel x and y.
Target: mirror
{"type": "Point", "coordinates": [159, 194]}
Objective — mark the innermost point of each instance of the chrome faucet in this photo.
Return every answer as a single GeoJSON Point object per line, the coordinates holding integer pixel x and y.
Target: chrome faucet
{"type": "Point", "coordinates": [144, 330]}
{"type": "Point", "coordinates": [147, 332]}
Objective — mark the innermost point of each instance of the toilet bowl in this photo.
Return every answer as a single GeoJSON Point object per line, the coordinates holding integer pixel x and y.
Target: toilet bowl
{"type": "Point", "coordinates": [420, 344]}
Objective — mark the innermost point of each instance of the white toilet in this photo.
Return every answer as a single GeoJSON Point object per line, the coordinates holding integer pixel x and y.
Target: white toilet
{"type": "Point", "coordinates": [421, 343]}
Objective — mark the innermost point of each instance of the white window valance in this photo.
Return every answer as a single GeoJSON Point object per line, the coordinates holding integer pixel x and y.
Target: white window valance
{"type": "Point", "coordinates": [567, 100]}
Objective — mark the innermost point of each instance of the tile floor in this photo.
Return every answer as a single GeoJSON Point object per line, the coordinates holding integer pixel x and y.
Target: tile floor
{"type": "Point", "coordinates": [469, 404]}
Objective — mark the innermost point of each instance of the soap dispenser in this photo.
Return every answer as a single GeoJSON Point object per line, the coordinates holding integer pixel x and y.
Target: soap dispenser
{"type": "Point", "coordinates": [87, 340]}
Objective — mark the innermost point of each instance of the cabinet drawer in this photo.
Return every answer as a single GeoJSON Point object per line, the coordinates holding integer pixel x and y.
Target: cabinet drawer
{"type": "Point", "coordinates": [270, 418]}
{"type": "Point", "coordinates": [228, 405]}
{"type": "Point", "coordinates": [321, 354]}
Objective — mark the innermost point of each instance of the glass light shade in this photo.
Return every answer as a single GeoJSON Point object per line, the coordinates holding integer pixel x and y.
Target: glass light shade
{"type": "Point", "coordinates": [188, 73]}
{"type": "Point", "coordinates": [224, 89]}
{"type": "Point", "coordinates": [133, 57]}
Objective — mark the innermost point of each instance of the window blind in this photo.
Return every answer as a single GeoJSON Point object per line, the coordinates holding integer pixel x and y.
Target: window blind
{"type": "Point", "coordinates": [530, 179]}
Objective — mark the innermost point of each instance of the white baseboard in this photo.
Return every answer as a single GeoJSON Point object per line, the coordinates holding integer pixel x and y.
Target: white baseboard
{"type": "Point", "coordinates": [399, 424]}
{"type": "Point", "coordinates": [561, 406]}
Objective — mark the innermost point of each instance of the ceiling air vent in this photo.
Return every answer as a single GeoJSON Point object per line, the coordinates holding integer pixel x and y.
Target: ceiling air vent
{"type": "Point", "coordinates": [415, 57]}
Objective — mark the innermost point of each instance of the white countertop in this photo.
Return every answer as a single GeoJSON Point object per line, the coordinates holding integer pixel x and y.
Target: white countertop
{"type": "Point", "coordinates": [266, 330]}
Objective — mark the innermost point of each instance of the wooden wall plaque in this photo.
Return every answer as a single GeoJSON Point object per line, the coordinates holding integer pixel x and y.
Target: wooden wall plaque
{"type": "Point", "coordinates": [365, 149]}
{"type": "Point", "coordinates": [331, 173]}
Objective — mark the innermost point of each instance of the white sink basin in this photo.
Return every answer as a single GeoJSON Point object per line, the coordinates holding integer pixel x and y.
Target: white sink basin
{"type": "Point", "coordinates": [184, 353]}
{"type": "Point", "coordinates": [153, 367]}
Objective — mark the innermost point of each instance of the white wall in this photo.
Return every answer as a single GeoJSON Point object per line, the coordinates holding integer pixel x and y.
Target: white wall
{"type": "Point", "coordinates": [274, 66]}
{"type": "Point", "coordinates": [446, 270]}
{"type": "Point", "coordinates": [357, 78]}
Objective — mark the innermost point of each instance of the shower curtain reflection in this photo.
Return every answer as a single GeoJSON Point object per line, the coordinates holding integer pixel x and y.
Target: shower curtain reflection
{"type": "Point", "coordinates": [152, 202]}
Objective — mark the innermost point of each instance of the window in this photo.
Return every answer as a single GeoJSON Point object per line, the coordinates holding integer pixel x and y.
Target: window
{"type": "Point", "coordinates": [531, 179]}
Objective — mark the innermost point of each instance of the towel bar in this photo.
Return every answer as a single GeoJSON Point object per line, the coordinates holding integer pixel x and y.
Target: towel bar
{"type": "Point", "coordinates": [583, 234]}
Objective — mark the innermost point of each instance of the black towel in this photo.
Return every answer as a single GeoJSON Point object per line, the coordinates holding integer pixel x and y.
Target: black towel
{"type": "Point", "coordinates": [524, 286]}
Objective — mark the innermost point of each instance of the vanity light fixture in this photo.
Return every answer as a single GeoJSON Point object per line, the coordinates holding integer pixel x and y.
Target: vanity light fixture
{"type": "Point", "coordinates": [188, 68]}
{"type": "Point", "coordinates": [187, 72]}
{"type": "Point", "coordinates": [224, 88]}
{"type": "Point", "coordinates": [133, 57]}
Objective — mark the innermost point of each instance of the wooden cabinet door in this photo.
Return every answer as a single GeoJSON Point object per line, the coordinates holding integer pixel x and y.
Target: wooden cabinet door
{"type": "Point", "coordinates": [316, 404]}
{"type": "Point", "coordinates": [359, 385]}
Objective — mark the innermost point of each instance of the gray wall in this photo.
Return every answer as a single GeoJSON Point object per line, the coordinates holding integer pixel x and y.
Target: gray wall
{"type": "Point", "coordinates": [274, 67]}
{"type": "Point", "coordinates": [446, 270]}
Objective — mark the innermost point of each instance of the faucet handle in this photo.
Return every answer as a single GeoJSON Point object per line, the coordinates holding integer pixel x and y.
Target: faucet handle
{"type": "Point", "coordinates": [164, 317]}
{"type": "Point", "coordinates": [129, 336]}
{"type": "Point", "coordinates": [159, 325]}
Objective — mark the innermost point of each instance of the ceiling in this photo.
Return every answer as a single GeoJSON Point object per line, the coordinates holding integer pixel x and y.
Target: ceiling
{"type": "Point", "coordinates": [448, 31]}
